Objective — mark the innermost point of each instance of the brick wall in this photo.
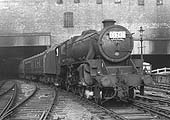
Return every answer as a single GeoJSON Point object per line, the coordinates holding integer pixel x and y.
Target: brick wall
{"type": "Point", "coordinates": [47, 16]}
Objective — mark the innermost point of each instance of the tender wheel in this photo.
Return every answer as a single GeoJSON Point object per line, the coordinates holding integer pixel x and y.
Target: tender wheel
{"type": "Point", "coordinates": [97, 96]}
{"type": "Point", "coordinates": [142, 90]}
{"type": "Point", "coordinates": [67, 87]}
{"type": "Point", "coordinates": [131, 92]}
{"type": "Point", "coordinates": [73, 89]}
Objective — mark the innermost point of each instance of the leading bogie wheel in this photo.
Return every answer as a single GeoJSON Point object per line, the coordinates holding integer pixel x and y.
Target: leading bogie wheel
{"type": "Point", "coordinates": [97, 96]}
{"type": "Point", "coordinates": [81, 91]}
{"type": "Point", "coordinates": [131, 92]}
{"type": "Point", "coordinates": [73, 89]}
{"type": "Point", "coordinates": [67, 87]}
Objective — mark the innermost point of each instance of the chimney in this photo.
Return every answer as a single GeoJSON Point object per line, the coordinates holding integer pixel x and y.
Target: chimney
{"type": "Point", "coordinates": [108, 22]}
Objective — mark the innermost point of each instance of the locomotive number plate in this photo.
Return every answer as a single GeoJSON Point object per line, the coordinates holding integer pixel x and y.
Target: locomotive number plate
{"type": "Point", "coordinates": [117, 35]}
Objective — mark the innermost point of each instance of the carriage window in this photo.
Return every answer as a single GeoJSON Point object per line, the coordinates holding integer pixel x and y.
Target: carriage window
{"type": "Point", "coordinates": [98, 1]}
{"type": "Point", "coordinates": [141, 2]}
{"type": "Point", "coordinates": [159, 2]}
{"type": "Point", "coordinates": [68, 19]}
{"type": "Point", "coordinates": [117, 1]}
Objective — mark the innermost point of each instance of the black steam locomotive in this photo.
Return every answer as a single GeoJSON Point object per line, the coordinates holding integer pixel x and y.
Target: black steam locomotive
{"type": "Point", "coordinates": [96, 64]}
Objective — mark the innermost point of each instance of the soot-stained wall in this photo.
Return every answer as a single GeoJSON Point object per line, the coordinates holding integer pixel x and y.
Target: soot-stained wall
{"type": "Point", "coordinates": [27, 16]}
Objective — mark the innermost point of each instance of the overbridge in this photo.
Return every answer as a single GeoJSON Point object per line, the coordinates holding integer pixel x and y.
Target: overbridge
{"type": "Point", "coordinates": [17, 46]}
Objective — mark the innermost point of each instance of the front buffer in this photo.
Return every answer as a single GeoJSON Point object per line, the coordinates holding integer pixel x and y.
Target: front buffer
{"type": "Point", "coordinates": [123, 84]}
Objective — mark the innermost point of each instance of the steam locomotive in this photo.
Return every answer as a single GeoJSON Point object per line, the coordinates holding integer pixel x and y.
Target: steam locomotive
{"type": "Point", "coordinates": [96, 64]}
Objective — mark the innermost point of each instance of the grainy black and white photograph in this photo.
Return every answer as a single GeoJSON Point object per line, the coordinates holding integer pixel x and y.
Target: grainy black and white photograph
{"type": "Point", "coordinates": [84, 60]}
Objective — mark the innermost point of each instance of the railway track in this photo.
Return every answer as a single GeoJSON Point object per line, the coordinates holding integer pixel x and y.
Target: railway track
{"type": "Point", "coordinates": [161, 105]}
{"type": "Point", "coordinates": [164, 84]}
{"type": "Point", "coordinates": [39, 106]}
{"type": "Point", "coordinates": [10, 99]}
{"type": "Point", "coordinates": [142, 108]}
{"type": "Point", "coordinates": [157, 91]}
{"type": "Point", "coordinates": [33, 101]}
{"type": "Point", "coordinates": [160, 86]}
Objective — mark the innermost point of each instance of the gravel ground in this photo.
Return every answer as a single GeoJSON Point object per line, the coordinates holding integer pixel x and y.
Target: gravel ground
{"type": "Point", "coordinates": [68, 109]}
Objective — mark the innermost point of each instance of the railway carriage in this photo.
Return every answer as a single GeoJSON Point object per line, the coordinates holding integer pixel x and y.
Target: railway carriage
{"type": "Point", "coordinates": [40, 67]}
{"type": "Point", "coordinates": [96, 63]}
{"type": "Point", "coordinates": [21, 70]}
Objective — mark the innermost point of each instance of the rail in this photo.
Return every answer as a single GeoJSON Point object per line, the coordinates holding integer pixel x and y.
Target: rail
{"type": "Point", "coordinates": [154, 108]}
{"type": "Point", "coordinates": [151, 109]}
{"type": "Point", "coordinates": [46, 113]}
{"type": "Point", "coordinates": [11, 110]}
{"type": "Point", "coordinates": [111, 113]}
{"type": "Point", "coordinates": [10, 102]}
{"type": "Point", "coordinates": [7, 91]}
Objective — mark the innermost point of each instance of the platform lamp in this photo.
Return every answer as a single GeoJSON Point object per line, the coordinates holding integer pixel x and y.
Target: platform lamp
{"type": "Point", "coordinates": [141, 40]}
